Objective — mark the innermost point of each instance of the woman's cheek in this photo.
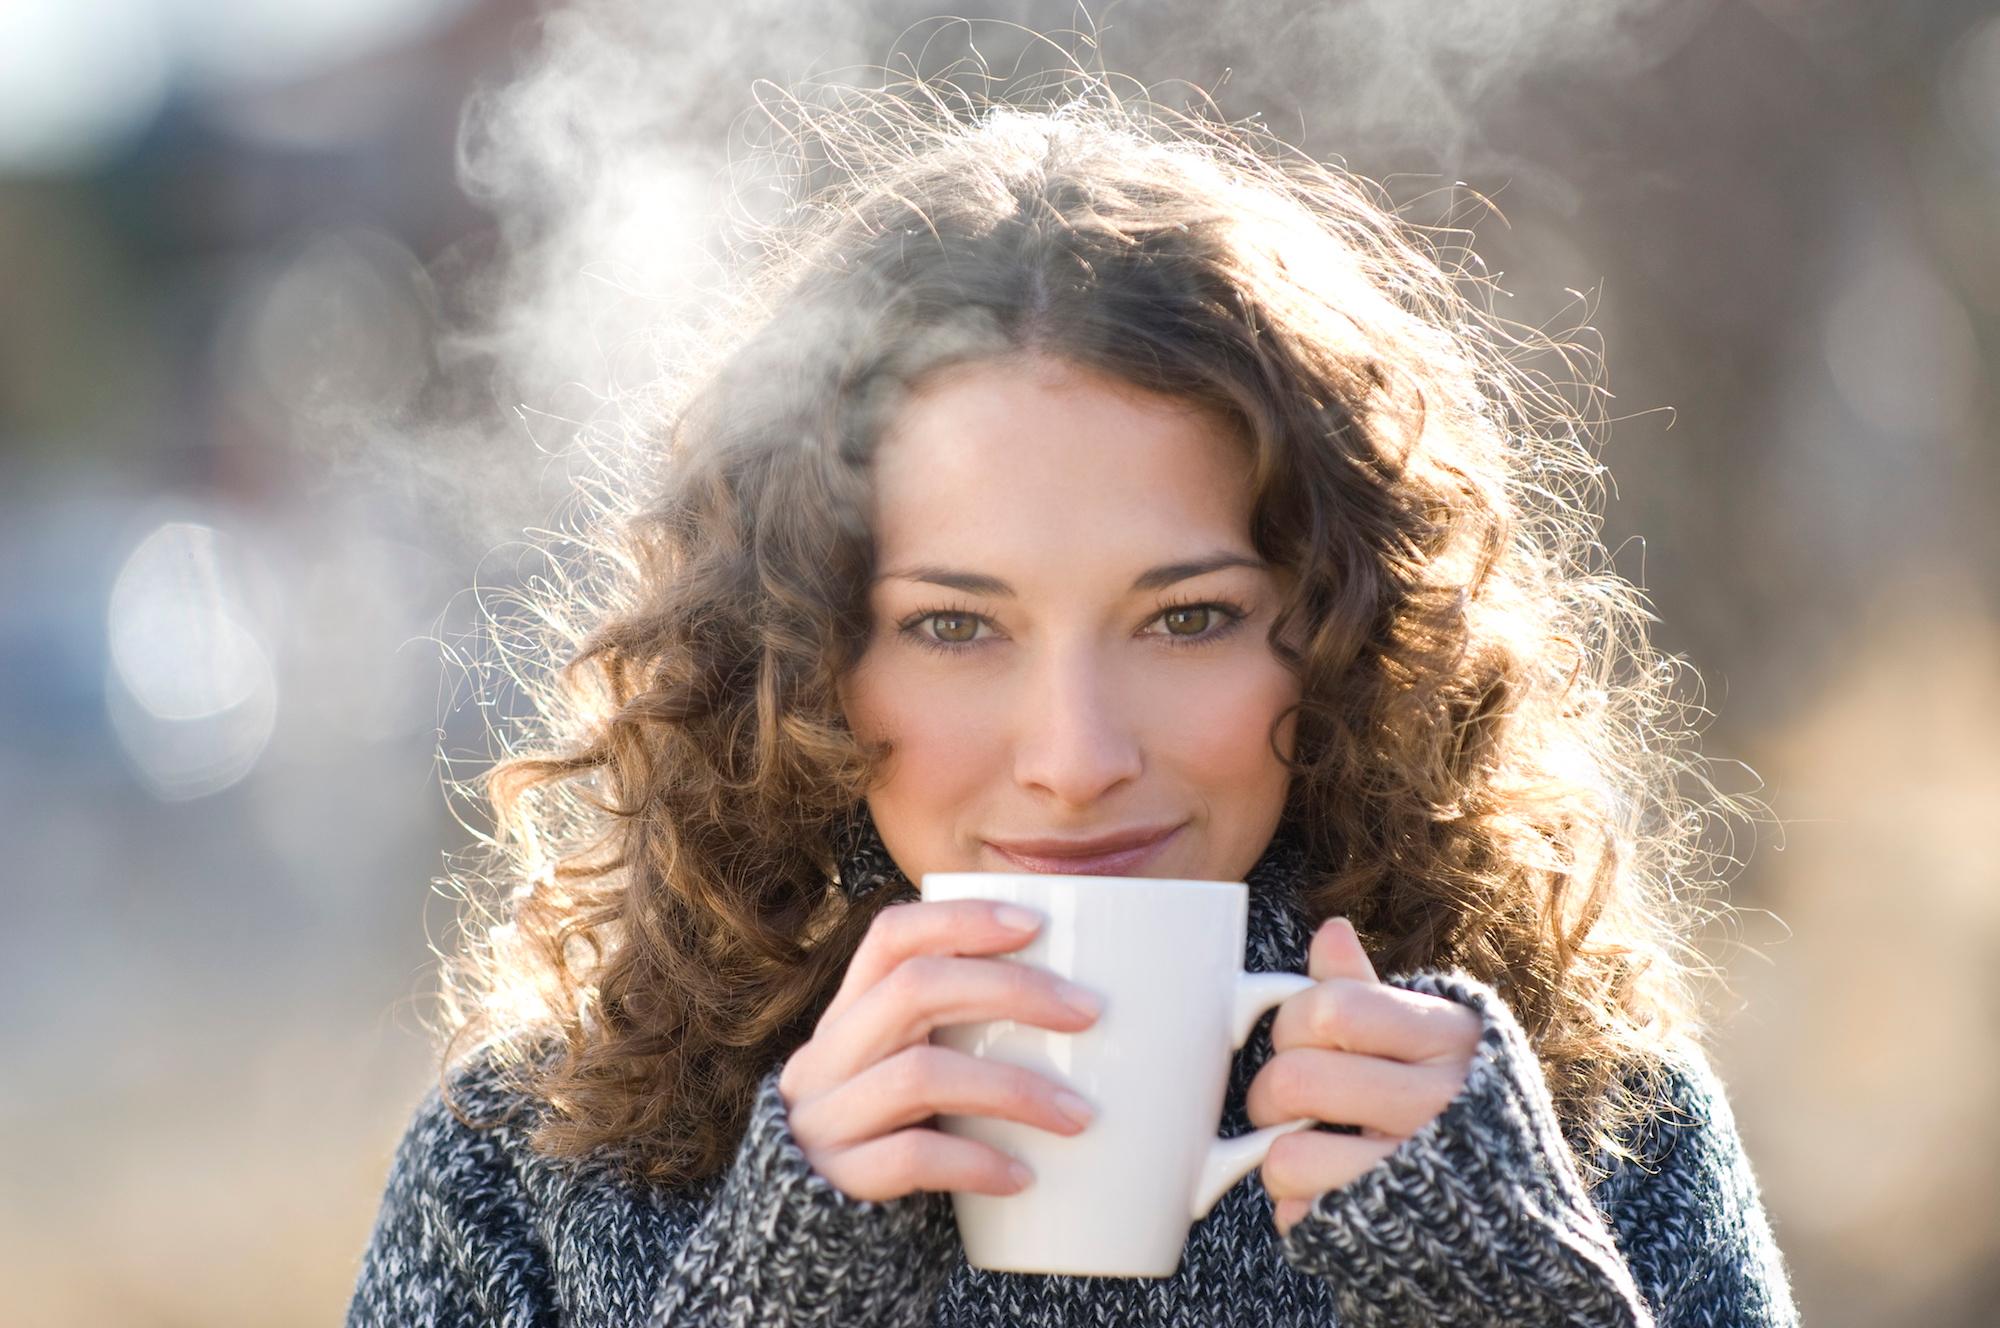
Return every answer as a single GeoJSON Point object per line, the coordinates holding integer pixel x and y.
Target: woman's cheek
{"type": "Point", "coordinates": [1220, 720]}
{"type": "Point", "coordinates": [939, 724]}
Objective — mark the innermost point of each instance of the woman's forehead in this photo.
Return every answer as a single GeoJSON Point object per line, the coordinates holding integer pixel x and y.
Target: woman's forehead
{"type": "Point", "coordinates": [1005, 455]}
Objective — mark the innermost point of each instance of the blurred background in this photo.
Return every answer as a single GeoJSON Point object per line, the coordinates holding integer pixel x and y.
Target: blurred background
{"type": "Point", "coordinates": [255, 475]}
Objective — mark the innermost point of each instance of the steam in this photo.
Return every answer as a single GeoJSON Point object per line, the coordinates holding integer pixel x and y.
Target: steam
{"type": "Point", "coordinates": [605, 159]}
{"type": "Point", "coordinates": [1425, 81]}
{"type": "Point", "coordinates": [616, 159]}
{"type": "Point", "coordinates": [606, 162]}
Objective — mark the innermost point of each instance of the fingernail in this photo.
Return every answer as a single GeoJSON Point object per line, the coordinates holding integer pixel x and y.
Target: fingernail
{"type": "Point", "coordinates": [1080, 999]}
{"type": "Point", "coordinates": [1074, 1107]}
{"type": "Point", "coordinates": [1017, 919]}
{"type": "Point", "coordinates": [1018, 1173]}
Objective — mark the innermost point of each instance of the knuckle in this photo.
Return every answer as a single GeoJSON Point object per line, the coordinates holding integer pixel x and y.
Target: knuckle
{"type": "Point", "coordinates": [1445, 1086]}
{"type": "Point", "coordinates": [850, 1170]}
{"type": "Point", "coordinates": [1021, 1094]}
{"type": "Point", "coordinates": [1291, 1081]}
{"type": "Point", "coordinates": [911, 978]}
{"type": "Point", "coordinates": [1016, 979]}
{"type": "Point", "coordinates": [1000, 984]}
{"type": "Point", "coordinates": [912, 1073]}
{"type": "Point", "coordinates": [1258, 1101]}
{"type": "Point", "coordinates": [792, 1079]}
{"type": "Point", "coordinates": [1282, 1162]}
{"type": "Point", "coordinates": [887, 929]}
{"type": "Point", "coordinates": [904, 1157]}
{"type": "Point", "coordinates": [834, 1171]}
{"type": "Point", "coordinates": [1329, 1011]}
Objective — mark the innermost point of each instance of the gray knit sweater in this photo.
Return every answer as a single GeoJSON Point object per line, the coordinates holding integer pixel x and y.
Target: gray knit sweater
{"type": "Point", "coordinates": [1480, 1218]}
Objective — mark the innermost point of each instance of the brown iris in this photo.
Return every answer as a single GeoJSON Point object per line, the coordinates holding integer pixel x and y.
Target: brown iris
{"type": "Point", "coordinates": [969, 623]}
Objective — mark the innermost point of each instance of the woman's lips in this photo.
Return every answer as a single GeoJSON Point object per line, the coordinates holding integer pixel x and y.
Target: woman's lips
{"type": "Point", "coordinates": [1117, 862]}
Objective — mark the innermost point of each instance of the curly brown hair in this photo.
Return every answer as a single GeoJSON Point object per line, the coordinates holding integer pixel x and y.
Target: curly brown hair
{"type": "Point", "coordinates": [1489, 754]}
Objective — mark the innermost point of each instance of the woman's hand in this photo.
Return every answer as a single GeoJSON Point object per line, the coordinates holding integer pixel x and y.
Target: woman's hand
{"type": "Point", "coordinates": [858, 1089]}
{"type": "Point", "coordinates": [1352, 1051]}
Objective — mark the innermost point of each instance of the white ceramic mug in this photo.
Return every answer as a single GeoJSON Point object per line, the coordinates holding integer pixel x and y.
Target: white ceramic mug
{"type": "Point", "coordinates": [1166, 958]}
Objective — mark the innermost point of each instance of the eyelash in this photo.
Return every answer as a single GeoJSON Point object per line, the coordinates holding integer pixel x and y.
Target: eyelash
{"type": "Point", "coordinates": [1232, 616]}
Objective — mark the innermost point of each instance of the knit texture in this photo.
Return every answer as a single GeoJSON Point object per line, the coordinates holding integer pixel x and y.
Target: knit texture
{"type": "Point", "coordinates": [1479, 1218]}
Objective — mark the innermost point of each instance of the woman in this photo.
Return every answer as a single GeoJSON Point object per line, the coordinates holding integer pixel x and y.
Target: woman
{"type": "Point", "coordinates": [1088, 493]}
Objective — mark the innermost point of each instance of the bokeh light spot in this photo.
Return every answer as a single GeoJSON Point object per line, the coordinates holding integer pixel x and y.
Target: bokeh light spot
{"type": "Point", "coordinates": [191, 692]}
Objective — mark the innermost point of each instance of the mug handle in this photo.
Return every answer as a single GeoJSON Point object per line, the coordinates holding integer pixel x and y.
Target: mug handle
{"type": "Point", "coordinates": [1229, 1160]}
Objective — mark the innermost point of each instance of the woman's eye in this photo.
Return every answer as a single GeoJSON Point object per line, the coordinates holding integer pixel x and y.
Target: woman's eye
{"type": "Point", "coordinates": [1189, 624]}
{"type": "Point", "coordinates": [957, 628]}
{"type": "Point", "coordinates": [1199, 624]}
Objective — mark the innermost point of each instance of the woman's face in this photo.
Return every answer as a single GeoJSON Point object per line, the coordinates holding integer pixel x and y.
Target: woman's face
{"type": "Point", "coordinates": [1068, 644]}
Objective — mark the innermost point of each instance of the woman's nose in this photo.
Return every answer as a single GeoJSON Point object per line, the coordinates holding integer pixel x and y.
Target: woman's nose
{"type": "Point", "coordinates": [1074, 742]}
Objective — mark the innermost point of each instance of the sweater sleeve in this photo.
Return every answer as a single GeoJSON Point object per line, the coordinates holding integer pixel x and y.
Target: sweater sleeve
{"type": "Point", "coordinates": [1690, 1216]}
{"type": "Point", "coordinates": [1482, 1216]}
{"type": "Point", "coordinates": [780, 1246]}
{"type": "Point", "coordinates": [452, 1244]}
{"type": "Point", "coordinates": [475, 1230]}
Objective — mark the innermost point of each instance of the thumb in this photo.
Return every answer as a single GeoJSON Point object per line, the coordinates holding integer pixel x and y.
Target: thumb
{"type": "Point", "coordinates": [1337, 953]}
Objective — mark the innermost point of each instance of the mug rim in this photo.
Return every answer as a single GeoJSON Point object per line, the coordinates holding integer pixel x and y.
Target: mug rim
{"type": "Point", "coordinates": [1085, 878]}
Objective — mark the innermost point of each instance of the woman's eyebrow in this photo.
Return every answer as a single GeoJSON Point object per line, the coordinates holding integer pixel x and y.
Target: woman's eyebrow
{"type": "Point", "coordinates": [1153, 578]}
